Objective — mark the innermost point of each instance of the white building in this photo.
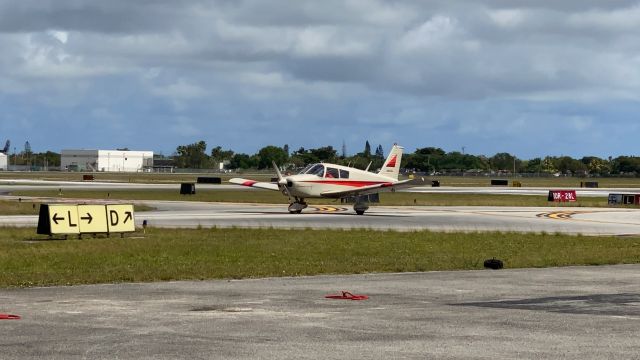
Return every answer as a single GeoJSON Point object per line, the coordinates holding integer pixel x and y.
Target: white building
{"type": "Point", "coordinates": [106, 160]}
{"type": "Point", "coordinates": [3, 161]}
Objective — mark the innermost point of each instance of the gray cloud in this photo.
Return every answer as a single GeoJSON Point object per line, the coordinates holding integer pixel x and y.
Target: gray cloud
{"type": "Point", "coordinates": [466, 49]}
{"type": "Point", "coordinates": [343, 54]}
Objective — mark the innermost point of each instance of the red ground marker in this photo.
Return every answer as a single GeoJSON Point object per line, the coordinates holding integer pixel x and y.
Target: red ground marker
{"type": "Point", "coordinates": [9, 317]}
{"type": "Point", "coordinates": [347, 296]}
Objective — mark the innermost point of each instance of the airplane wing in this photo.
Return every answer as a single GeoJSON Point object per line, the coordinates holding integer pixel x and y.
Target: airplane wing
{"type": "Point", "coordinates": [371, 189]}
{"type": "Point", "coordinates": [256, 184]}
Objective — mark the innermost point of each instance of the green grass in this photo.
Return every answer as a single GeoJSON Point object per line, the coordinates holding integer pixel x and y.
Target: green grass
{"type": "Point", "coordinates": [274, 197]}
{"type": "Point", "coordinates": [14, 207]}
{"type": "Point", "coordinates": [176, 254]}
{"type": "Point", "coordinates": [10, 207]}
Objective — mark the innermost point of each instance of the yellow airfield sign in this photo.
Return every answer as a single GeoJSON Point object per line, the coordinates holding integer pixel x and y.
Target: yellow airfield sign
{"type": "Point", "coordinates": [120, 218]}
{"type": "Point", "coordinates": [92, 218]}
{"type": "Point", "coordinates": [85, 219]}
{"type": "Point", "coordinates": [63, 219]}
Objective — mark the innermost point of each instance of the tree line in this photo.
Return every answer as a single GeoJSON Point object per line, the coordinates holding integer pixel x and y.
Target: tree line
{"type": "Point", "coordinates": [429, 160]}
{"type": "Point", "coordinates": [424, 160]}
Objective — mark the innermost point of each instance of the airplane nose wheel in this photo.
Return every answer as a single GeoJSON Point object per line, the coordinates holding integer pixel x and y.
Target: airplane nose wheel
{"type": "Point", "coordinates": [297, 206]}
{"type": "Point", "coordinates": [360, 208]}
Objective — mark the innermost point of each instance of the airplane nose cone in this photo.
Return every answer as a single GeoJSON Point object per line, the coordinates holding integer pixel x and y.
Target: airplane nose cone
{"type": "Point", "coordinates": [285, 181]}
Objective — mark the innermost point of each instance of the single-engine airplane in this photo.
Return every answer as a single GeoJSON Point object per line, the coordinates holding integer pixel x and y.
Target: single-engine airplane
{"type": "Point", "coordinates": [333, 181]}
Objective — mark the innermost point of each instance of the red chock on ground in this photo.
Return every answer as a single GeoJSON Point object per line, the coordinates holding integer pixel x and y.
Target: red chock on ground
{"type": "Point", "coordinates": [347, 296]}
{"type": "Point", "coordinates": [9, 317]}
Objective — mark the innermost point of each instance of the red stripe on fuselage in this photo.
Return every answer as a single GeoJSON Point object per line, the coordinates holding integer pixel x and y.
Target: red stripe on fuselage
{"type": "Point", "coordinates": [350, 183]}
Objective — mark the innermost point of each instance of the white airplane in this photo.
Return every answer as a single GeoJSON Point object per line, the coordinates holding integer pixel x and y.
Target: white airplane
{"type": "Point", "coordinates": [335, 182]}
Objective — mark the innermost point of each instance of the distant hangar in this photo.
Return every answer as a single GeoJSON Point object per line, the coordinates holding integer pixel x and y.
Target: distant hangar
{"type": "Point", "coordinates": [106, 160]}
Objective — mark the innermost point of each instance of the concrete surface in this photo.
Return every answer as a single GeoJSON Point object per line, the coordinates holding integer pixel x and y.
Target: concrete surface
{"type": "Point", "coordinates": [568, 313]}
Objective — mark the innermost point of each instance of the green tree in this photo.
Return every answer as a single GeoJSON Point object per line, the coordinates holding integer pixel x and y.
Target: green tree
{"type": "Point", "coordinates": [548, 165]}
{"type": "Point", "coordinates": [220, 155]}
{"type": "Point", "coordinates": [598, 166]}
{"type": "Point", "coordinates": [569, 165]}
{"type": "Point", "coordinates": [425, 159]}
{"type": "Point", "coordinates": [367, 149]}
{"type": "Point", "coordinates": [626, 164]}
{"type": "Point", "coordinates": [504, 161]}
{"type": "Point", "coordinates": [241, 161]}
{"type": "Point", "coordinates": [302, 157]}
{"type": "Point", "coordinates": [193, 156]}
{"type": "Point", "coordinates": [379, 151]}
{"type": "Point", "coordinates": [431, 151]}
{"type": "Point", "coordinates": [325, 153]}
{"type": "Point", "coordinates": [532, 166]}
{"type": "Point", "coordinates": [271, 153]}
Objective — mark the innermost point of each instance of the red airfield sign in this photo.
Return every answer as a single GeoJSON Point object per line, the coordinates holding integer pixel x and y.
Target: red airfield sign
{"type": "Point", "coordinates": [562, 195]}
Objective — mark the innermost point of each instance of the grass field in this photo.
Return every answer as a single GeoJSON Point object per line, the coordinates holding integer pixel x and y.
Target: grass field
{"type": "Point", "coordinates": [274, 197]}
{"type": "Point", "coordinates": [173, 254]}
{"type": "Point", "coordinates": [18, 208]}
{"type": "Point", "coordinates": [12, 207]}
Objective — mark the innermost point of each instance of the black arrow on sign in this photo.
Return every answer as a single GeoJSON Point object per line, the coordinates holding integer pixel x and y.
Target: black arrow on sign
{"type": "Point", "coordinates": [129, 216]}
{"type": "Point", "coordinates": [89, 217]}
{"type": "Point", "coordinates": [56, 218]}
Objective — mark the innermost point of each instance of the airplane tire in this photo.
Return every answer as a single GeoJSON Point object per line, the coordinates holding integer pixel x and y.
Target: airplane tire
{"type": "Point", "coordinates": [360, 212]}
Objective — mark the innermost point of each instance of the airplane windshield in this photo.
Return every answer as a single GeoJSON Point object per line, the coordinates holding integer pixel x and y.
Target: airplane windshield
{"type": "Point", "coordinates": [317, 169]}
{"type": "Point", "coordinates": [304, 171]}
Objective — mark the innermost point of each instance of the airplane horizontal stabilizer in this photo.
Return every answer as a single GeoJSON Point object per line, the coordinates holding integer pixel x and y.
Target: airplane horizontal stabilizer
{"type": "Point", "coordinates": [255, 184]}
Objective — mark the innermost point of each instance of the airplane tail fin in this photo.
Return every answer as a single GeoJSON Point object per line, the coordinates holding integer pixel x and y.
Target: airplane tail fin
{"type": "Point", "coordinates": [391, 166]}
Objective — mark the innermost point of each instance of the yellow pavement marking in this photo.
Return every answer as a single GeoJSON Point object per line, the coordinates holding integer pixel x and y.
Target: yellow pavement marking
{"type": "Point", "coordinates": [329, 209]}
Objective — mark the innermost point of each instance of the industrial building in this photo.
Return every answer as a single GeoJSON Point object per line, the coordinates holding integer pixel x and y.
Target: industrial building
{"type": "Point", "coordinates": [106, 160]}
{"type": "Point", "coordinates": [3, 161]}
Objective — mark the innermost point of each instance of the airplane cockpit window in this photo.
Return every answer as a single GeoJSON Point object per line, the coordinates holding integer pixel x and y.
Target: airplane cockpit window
{"type": "Point", "coordinates": [317, 169]}
{"type": "Point", "coordinates": [344, 174]}
{"type": "Point", "coordinates": [332, 173]}
{"type": "Point", "coordinates": [304, 171]}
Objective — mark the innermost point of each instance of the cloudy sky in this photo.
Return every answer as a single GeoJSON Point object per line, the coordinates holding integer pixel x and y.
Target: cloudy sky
{"type": "Point", "coordinates": [527, 77]}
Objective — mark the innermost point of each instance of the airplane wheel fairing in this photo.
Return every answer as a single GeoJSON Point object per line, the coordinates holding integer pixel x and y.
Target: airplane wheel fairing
{"type": "Point", "coordinates": [360, 208]}
{"type": "Point", "coordinates": [297, 207]}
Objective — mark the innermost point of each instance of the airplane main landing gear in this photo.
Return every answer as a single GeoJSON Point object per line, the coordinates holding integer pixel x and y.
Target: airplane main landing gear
{"type": "Point", "coordinates": [297, 206]}
{"type": "Point", "coordinates": [360, 208]}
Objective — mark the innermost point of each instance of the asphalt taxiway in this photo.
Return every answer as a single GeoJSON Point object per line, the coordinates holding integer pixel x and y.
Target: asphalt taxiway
{"type": "Point", "coordinates": [558, 219]}
{"type": "Point", "coordinates": [567, 313]}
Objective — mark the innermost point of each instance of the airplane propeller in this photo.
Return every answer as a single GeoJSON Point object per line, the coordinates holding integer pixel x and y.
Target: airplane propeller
{"type": "Point", "coordinates": [286, 183]}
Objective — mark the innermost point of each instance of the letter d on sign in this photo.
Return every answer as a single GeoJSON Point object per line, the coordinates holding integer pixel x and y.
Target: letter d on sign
{"type": "Point", "coordinates": [113, 217]}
